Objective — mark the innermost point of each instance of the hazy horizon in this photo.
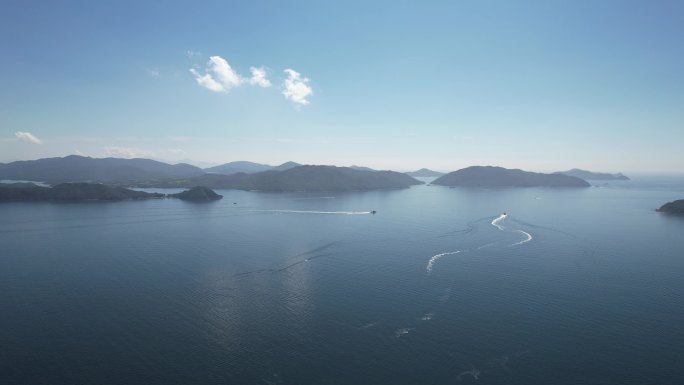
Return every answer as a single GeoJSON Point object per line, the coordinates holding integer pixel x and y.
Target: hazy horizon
{"type": "Point", "coordinates": [536, 86]}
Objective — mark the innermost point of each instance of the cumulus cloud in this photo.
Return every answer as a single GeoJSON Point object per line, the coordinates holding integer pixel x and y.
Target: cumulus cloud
{"type": "Point", "coordinates": [207, 81]}
{"type": "Point", "coordinates": [296, 88]}
{"type": "Point", "coordinates": [219, 76]}
{"type": "Point", "coordinates": [127, 152]}
{"type": "Point", "coordinates": [259, 77]}
{"type": "Point", "coordinates": [27, 137]}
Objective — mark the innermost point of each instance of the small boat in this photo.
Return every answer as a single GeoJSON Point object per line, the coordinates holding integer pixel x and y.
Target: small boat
{"type": "Point", "coordinates": [373, 212]}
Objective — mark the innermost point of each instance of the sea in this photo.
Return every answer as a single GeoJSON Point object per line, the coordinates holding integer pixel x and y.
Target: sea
{"type": "Point", "coordinates": [426, 285]}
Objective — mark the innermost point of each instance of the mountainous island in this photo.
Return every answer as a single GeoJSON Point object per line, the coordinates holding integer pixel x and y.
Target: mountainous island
{"type": "Point", "coordinates": [74, 168]}
{"type": "Point", "coordinates": [289, 176]}
{"type": "Point", "coordinates": [674, 207]}
{"type": "Point", "coordinates": [91, 192]}
{"type": "Point", "coordinates": [488, 176]}
{"type": "Point", "coordinates": [588, 175]}
{"type": "Point", "coordinates": [425, 173]}
{"type": "Point", "coordinates": [300, 178]}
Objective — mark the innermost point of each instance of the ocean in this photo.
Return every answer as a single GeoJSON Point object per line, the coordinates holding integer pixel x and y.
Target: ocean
{"type": "Point", "coordinates": [438, 286]}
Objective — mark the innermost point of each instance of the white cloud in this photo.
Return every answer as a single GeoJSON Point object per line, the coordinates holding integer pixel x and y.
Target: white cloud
{"type": "Point", "coordinates": [259, 77]}
{"type": "Point", "coordinates": [207, 81]}
{"type": "Point", "coordinates": [225, 74]}
{"type": "Point", "coordinates": [127, 152]}
{"type": "Point", "coordinates": [296, 88]}
{"type": "Point", "coordinates": [220, 77]}
{"type": "Point", "coordinates": [27, 137]}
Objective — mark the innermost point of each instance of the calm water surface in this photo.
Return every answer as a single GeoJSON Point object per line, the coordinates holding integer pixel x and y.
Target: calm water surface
{"type": "Point", "coordinates": [578, 286]}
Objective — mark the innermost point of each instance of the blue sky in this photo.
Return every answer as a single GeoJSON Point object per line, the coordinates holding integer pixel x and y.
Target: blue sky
{"type": "Point", "coordinates": [538, 85]}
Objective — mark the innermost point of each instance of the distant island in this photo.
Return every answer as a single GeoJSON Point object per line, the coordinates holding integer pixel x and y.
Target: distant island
{"type": "Point", "coordinates": [300, 178]}
{"type": "Point", "coordinates": [488, 176]}
{"type": "Point", "coordinates": [424, 173]}
{"type": "Point", "coordinates": [588, 175]}
{"type": "Point", "coordinates": [248, 167]}
{"type": "Point", "coordinates": [674, 207]}
{"type": "Point", "coordinates": [91, 192]}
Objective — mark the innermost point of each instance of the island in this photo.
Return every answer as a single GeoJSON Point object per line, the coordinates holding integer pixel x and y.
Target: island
{"type": "Point", "coordinates": [489, 176]}
{"type": "Point", "coordinates": [299, 178]}
{"type": "Point", "coordinates": [197, 194]}
{"type": "Point", "coordinates": [91, 192]}
{"type": "Point", "coordinates": [589, 175]}
{"type": "Point", "coordinates": [674, 207]}
{"type": "Point", "coordinates": [75, 168]}
{"type": "Point", "coordinates": [425, 173]}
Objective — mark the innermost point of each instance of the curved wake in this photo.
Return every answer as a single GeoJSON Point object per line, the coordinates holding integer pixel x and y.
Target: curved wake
{"type": "Point", "coordinates": [434, 259]}
{"type": "Point", "coordinates": [497, 220]}
{"type": "Point", "coordinates": [527, 239]}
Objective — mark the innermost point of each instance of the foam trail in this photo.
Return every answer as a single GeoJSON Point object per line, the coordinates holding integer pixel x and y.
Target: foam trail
{"type": "Point", "coordinates": [427, 317]}
{"type": "Point", "coordinates": [434, 259]}
{"type": "Point", "coordinates": [528, 237]}
{"type": "Point", "coordinates": [473, 372]}
{"type": "Point", "coordinates": [496, 221]}
{"type": "Point", "coordinates": [314, 212]}
{"type": "Point", "coordinates": [402, 331]}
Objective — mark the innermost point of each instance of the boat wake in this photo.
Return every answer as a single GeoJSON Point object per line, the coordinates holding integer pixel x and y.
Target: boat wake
{"type": "Point", "coordinates": [434, 259]}
{"type": "Point", "coordinates": [528, 237]}
{"type": "Point", "coordinates": [496, 222]}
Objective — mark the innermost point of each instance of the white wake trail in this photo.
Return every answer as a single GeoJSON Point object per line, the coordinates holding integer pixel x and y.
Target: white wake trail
{"type": "Point", "coordinates": [434, 259]}
{"type": "Point", "coordinates": [528, 237]}
{"type": "Point", "coordinates": [496, 221]}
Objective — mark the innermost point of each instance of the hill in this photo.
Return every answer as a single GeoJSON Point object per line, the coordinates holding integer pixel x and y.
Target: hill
{"type": "Point", "coordinates": [300, 178]}
{"type": "Point", "coordinates": [72, 192]}
{"type": "Point", "coordinates": [248, 167]}
{"type": "Point", "coordinates": [286, 166]}
{"type": "Point", "coordinates": [425, 173]}
{"type": "Point", "coordinates": [588, 175]}
{"type": "Point", "coordinates": [674, 207]}
{"type": "Point", "coordinates": [197, 194]}
{"type": "Point", "coordinates": [488, 176]}
{"type": "Point", "coordinates": [238, 166]}
{"type": "Point", "coordinates": [79, 168]}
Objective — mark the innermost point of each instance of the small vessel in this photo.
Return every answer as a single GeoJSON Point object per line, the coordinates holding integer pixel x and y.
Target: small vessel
{"type": "Point", "coordinates": [373, 212]}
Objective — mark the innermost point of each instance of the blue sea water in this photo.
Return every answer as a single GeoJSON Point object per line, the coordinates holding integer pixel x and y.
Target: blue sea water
{"type": "Point", "coordinates": [572, 286]}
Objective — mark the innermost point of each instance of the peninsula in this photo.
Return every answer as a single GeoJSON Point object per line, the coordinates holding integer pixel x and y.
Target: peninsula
{"type": "Point", "coordinates": [91, 192]}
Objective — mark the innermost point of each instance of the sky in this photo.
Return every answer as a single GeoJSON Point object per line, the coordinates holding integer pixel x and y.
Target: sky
{"type": "Point", "coordinates": [539, 85]}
